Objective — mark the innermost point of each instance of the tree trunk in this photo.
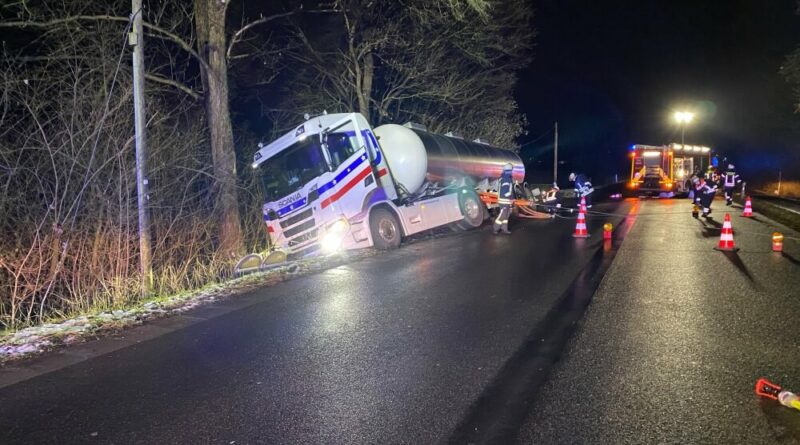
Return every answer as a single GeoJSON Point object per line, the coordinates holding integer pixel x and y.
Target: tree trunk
{"type": "Point", "coordinates": [366, 86]}
{"type": "Point", "coordinates": [210, 24]}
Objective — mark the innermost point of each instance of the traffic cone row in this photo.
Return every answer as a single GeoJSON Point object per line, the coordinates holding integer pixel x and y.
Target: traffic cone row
{"type": "Point", "coordinates": [748, 208]}
{"type": "Point", "coordinates": [726, 242]}
{"type": "Point", "coordinates": [580, 227]}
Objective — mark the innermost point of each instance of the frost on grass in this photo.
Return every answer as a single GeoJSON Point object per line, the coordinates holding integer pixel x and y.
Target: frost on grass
{"type": "Point", "coordinates": [37, 339]}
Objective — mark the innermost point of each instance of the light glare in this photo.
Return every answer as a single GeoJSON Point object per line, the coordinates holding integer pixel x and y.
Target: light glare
{"type": "Point", "coordinates": [684, 117]}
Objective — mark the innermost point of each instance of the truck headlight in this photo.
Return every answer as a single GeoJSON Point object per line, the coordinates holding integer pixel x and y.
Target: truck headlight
{"type": "Point", "coordinates": [331, 240]}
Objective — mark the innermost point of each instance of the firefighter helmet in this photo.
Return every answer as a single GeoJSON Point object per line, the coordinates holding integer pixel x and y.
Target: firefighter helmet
{"type": "Point", "coordinates": [508, 167]}
{"type": "Point", "coordinates": [731, 167]}
{"type": "Point", "coordinates": [572, 176]}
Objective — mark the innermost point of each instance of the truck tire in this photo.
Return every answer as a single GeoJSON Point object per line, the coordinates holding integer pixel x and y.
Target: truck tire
{"type": "Point", "coordinates": [473, 210]}
{"type": "Point", "coordinates": [385, 229]}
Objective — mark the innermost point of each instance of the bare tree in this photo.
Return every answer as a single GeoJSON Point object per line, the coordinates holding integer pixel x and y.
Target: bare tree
{"type": "Point", "coordinates": [200, 31]}
{"type": "Point", "coordinates": [67, 187]}
{"type": "Point", "coordinates": [447, 63]}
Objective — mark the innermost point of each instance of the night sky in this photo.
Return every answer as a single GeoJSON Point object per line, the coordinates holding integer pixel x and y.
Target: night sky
{"type": "Point", "coordinates": [612, 72]}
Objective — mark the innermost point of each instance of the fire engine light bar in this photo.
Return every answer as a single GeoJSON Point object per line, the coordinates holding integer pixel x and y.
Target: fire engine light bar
{"type": "Point", "coordinates": [690, 148]}
{"type": "Point", "coordinates": [651, 154]}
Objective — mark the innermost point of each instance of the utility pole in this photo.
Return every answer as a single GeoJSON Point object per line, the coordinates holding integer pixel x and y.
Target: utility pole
{"type": "Point", "coordinates": [136, 39]}
{"type": "Point", "coordinates": [555, 155]}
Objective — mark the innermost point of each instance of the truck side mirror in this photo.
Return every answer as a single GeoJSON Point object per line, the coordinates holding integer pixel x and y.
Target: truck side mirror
{"type": "Point", "coordinates": [323, 142]}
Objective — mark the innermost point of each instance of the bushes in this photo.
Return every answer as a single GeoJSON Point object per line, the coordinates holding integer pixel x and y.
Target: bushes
{"type": "Point", "coordinates": [68, 221]}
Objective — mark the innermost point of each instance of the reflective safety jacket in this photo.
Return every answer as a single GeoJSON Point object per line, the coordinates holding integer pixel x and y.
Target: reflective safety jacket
{"type": "Point", "coordinates": [506, 186]}
{"type": "Point", "coordinates": [731, 179]}
{"type": "Point", "coordinates": [707, 188]}
{"type": "Point", "coordinates": [583, 186]}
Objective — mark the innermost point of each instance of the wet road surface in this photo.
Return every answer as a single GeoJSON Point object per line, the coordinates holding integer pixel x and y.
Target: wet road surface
{"type": "Point", "coordinates": [418, 345]}
{"type": "Point", "coordinates": [675, 338]}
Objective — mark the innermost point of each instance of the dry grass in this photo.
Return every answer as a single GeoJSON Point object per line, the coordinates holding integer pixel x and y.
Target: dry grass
{"type": "Point", "coordinates": [68, 209]}
{"type": "Point", "coordinates": [789, 189]}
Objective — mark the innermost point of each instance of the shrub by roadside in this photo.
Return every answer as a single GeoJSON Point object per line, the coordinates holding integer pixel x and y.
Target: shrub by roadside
{"type": "Point", "coordinates": [49, 336]}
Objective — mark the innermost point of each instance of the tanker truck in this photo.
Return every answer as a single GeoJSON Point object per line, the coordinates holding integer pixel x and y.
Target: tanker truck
{"type": "Point", "coordinates": [334, 183]}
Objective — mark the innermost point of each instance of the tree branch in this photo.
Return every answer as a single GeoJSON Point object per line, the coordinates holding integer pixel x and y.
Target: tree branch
{"type": "Point", "coordinates": [165, 34]}
{"type": "Point", "coordinates": [238, 34]}
{"type": "Point", "coordinates": [165, 81]}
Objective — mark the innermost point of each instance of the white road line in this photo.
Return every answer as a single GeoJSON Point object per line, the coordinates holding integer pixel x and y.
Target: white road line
{"type": "Point", "coordinates": [786, 208]}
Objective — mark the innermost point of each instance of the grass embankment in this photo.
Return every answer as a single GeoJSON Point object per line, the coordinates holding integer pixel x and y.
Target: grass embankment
{"type": "Point", "coordinates": [788, 189]}
{"type": "Point", "coordinates": [789, 219]}
{"type": "Point", "coordinates": [91, 324]}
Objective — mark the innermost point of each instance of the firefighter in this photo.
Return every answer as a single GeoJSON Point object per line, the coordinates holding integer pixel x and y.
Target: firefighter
{"type": "Point", "coordinates": [552, 200]}
{"type": "Point", "coordinates": [730, 180]}
{"type": "Point", "coordinates": [583, 188]}
{"type": "Point", "coordinates": [707, 191]}
{"type": "Point", "coordinates": [695, 194]}
{"type": "Point", "coordinates": [712, 176]}
{"type": "Point", "coordinates": [699, 181]}
{"type": "Point", "coordinates": [693, 187]}
{"type": "Point", "coordinates": [505, 199]}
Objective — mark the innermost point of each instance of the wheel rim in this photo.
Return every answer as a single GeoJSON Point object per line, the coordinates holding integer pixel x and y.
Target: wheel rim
{"type": "Point", "coordinates": [387, 230]}
{"type": "Point", "coordinates": [471, 208]}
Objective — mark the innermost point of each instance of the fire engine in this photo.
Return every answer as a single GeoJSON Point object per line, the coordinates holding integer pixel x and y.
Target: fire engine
{"type": "Point", "coordinates": [666, 168]}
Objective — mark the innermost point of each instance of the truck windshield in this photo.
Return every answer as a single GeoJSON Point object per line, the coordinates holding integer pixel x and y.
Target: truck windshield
{"type": "Point", "coordinates": [293, 168]}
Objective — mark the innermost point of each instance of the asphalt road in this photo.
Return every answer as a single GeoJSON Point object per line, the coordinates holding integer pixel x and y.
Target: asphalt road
{"type": "Point", "coordinates": [441, 340]}
{"type": "Point", "coordinates": [677, 335]}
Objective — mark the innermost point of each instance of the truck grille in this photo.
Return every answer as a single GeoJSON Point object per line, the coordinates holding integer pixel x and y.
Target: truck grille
{"type": "Point", "coordinates": [300, 233]}
{"type": "Point", "coordinates": [296, 218]}
{"type": "Point", "coordinates": [302, 239]}
{"type": "Point", "coordinates": [300, 228]}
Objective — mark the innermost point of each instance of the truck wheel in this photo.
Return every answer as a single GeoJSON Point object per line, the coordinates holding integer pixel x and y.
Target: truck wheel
{"type": "Point", "coordinates": [473, 210]}
{"type": "Point", "coordinates": [385, 229]}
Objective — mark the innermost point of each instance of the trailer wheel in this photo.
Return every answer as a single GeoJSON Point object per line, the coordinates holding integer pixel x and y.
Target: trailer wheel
{"type": "Point", "coordinates": [385, 229]}
{"type": "Point", "coordinates": [473, 210]}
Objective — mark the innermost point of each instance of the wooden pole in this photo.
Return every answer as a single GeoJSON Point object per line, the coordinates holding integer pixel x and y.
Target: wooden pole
{"type": "Point", "coordinates": [555, 155]}
{"type": "Point", "coordinates": [136, 39]}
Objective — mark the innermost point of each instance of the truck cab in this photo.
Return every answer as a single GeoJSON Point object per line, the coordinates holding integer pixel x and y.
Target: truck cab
{"type": "Point", "coordinates": [315, 175]}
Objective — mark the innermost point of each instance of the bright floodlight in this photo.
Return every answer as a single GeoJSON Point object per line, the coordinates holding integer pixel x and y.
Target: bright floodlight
{"type": "Point", "coordinates": [684, 117]}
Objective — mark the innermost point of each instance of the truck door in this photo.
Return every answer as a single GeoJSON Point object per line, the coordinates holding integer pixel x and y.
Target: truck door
{"type": "Point", "coordinates": [352, 177]}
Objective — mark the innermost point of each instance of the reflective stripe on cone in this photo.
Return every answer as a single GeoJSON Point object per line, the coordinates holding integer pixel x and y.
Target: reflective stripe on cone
{"type": "Point", "coordinates": [726, 242]}
{"type": "Point", "coordinates": [748, 208]}
{"type": "Point", "coordinates": [580, 227]}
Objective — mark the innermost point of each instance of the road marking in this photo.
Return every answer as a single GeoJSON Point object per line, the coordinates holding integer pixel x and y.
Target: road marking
{"type": "Point", "coordinates": [786, 208]}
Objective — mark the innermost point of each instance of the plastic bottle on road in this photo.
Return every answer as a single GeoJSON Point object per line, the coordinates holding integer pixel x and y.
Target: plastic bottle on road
{"type": "Point", "coordinates": [789, 399]}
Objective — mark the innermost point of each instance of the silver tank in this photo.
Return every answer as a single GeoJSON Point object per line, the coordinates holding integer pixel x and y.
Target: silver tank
{"type": "Point", "coordinates": [415, 155]}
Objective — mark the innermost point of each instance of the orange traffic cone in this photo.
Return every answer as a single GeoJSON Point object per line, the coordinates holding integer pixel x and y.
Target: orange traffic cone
{"type": "Point", "coordinates": [583, 205]}
{"type": "Point", "coordinates": [777, 242]}
{"type": "Point", "coordinates": [726, 236]}
{"type": "Point", "coordinates": [580, 227]}
{"type": "Point", "coordinates": [748, 208]}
